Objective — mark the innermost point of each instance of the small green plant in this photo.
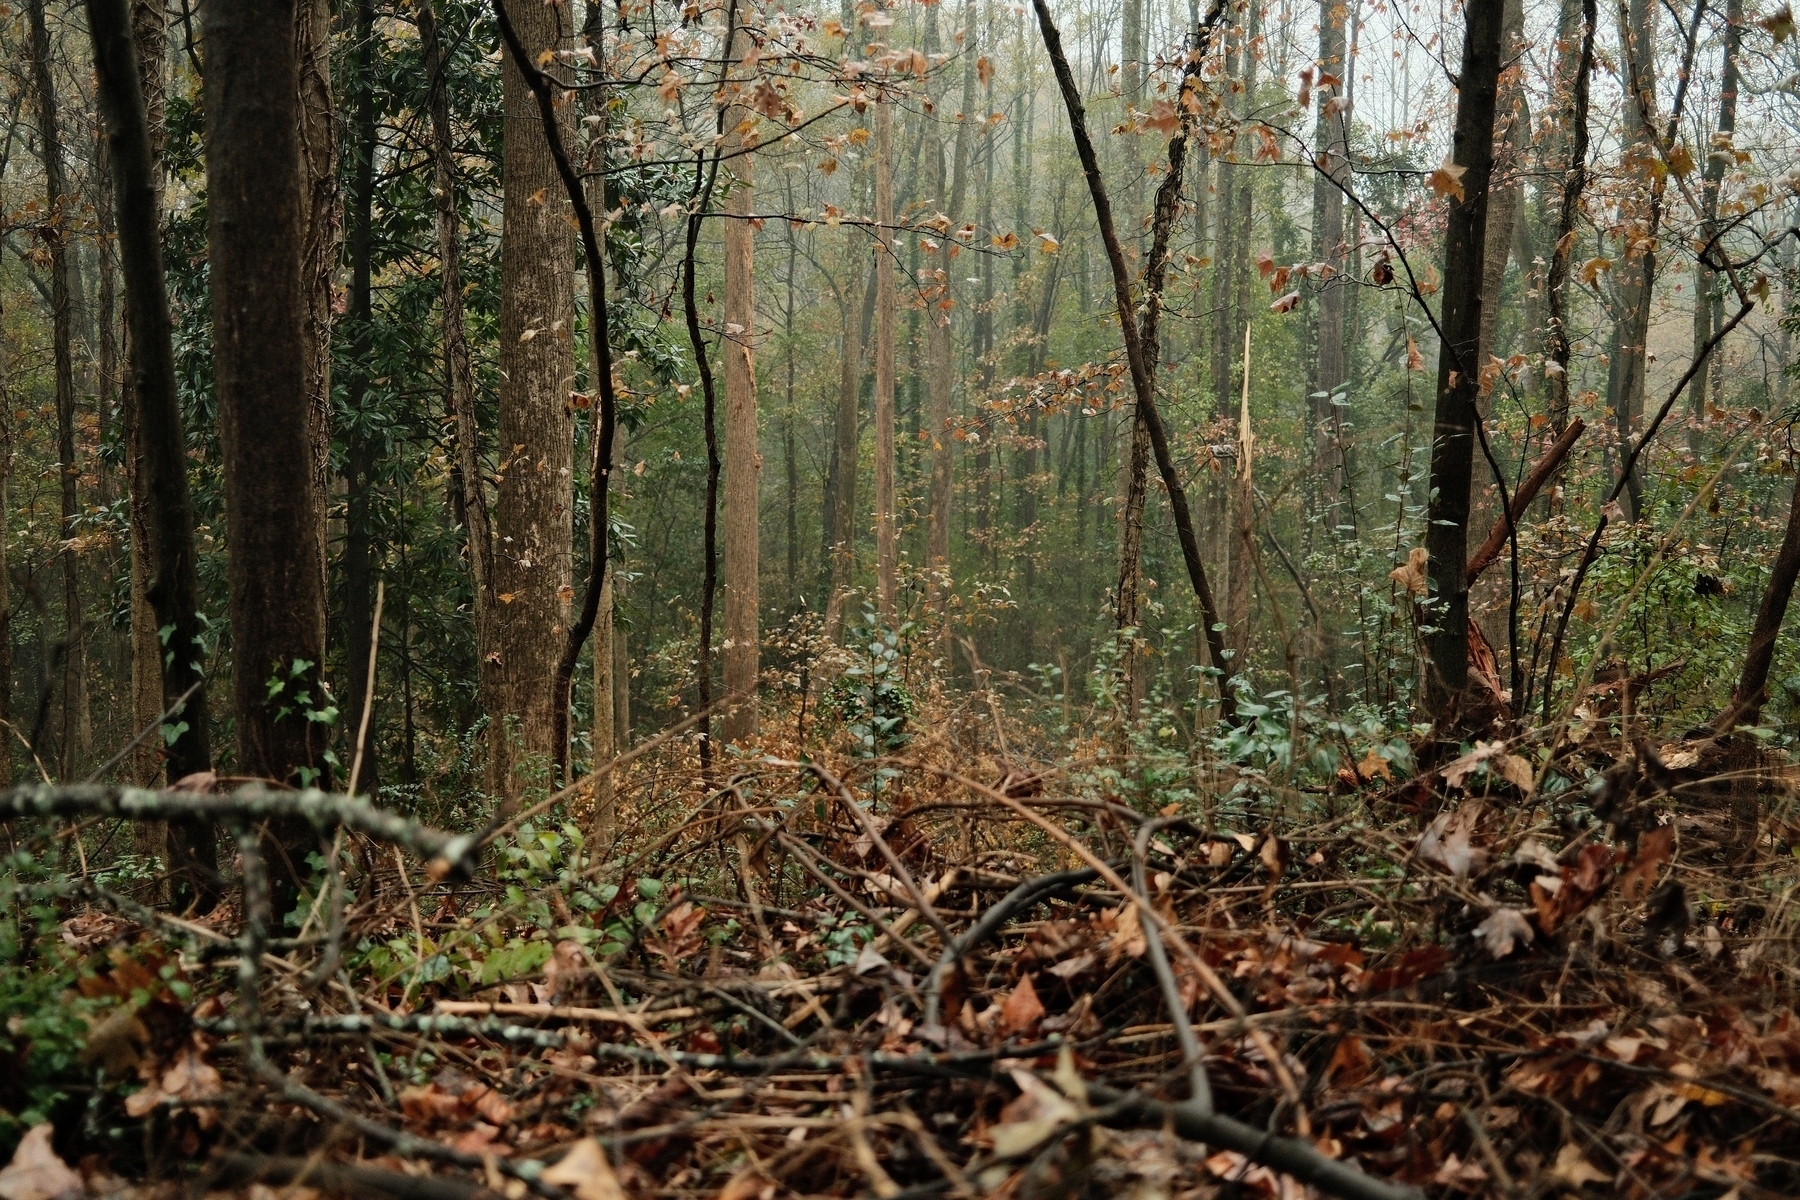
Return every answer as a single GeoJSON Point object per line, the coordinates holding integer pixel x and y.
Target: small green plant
{"type": "Point", "coordinates": [870, 698]}
{"type": "Point", "coordinates": [294, 691]}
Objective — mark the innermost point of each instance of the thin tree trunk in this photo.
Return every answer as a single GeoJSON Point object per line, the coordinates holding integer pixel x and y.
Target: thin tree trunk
{"type": "Point", "coordinates": [841, 540]}
{"type": "Point", "coordinates": [360, 566]}
{"type": "Point", "coordinates": [534, 508]}
{"type": "Point", "coordinates": [1143, 384]}
{"type": "Point", "coordinates": [460, 374]}
{"type": "Point", "coordinates": [1506, 193]}
{"type": "Point", "coordinates": [1557, 343]}
{"type": "Point", "coordinates": [1453, 443]}
{"type": "Point", "coordinates": [150, 839]}
{"type": "Point", "coordinates": [943, 351]}
{"type": "Point", "coordinates": [1243, 530]}
{"type": "Point", "coordinates": [76, 725]}
{"type": "Point", "coordinates": [887, 543]}
{"type": "Point", "coordinates": [743, 458]}
{"type": "Point", "coordinates": [1329, 370]}
{"type": "Point", "coordinates": [160, 492]}
{"type": "Point", "coordinates": [320, 211]}
{"type": "Point", "coordinates": [1708, 307]}
{"type": "Point", "coordinates": [704, 179]}
{"type": "Point", "coordinates": [256, 206]}
{"type": "Point", "coordinates": [1635, 274]}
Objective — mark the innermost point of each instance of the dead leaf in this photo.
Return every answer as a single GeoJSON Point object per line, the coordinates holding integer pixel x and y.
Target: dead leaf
{"type": "Point", "coordinates": [1411, 575]}
{"type": "Point", "coordinates": [1022, 1009]}
{"type": "Point", "coordinates": [1447, 180]}
{"type": "Point", "coordinates": [1653, 850]}
{"type": "Point", "coordinates": [1681, 161]}
{"type": "Point", "coordinates": [1372, 765]}
{"type": "Point", "coordinates": [1780, 25]}
{"type": "Point", "coordinates": [586, 1171]}
{"type": "Point", "coordinates": [1286, 303]}
{"type": "Point", "coordinates": [1504, 930]}
{"type": "Point", "coordinates": [1519, 772]}
{"type": "Point", "coordinates": [1128, 934]}
{"type": "Point", "coordinates": [36, 1172]}
{"type": "Point", "coordinates": [1414, 360]}
{"type": "Point", "coordinates": [1575, 1170]}
{"type": "Point", "coordinates": [1448, 840]}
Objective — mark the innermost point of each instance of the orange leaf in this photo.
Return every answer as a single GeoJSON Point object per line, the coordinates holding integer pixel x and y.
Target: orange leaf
{"type": "Point", "coordinates": [1447, 180]}
{"type": "Point", "coordinates": [1022, 1009]}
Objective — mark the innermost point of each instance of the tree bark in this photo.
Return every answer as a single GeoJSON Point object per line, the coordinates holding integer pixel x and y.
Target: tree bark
{"type": "Point", "coordinates": [1453, 442]}
{"type": "Point", "coordinates": [743, 460]}
{"type": "Point", "coordinates": [1506, 193]}
{"type": "Point", "coordinates": [364, 454]}
{"type": "Point", "coordinates": [458, 371]}
{"type": "Point", "coordinates": [261, 343]}
{"type": "Point", "coordinates": [1329, 372]}
{"type": "Point", "coordinates": [887, 543]}
{"type": "Point", "coordinates": [1557, 344]}
{"type": "Point", "coordinates": [841, 536]}
{"type": "Point", "coordinates": [159, 480]}
{"type": "Point", "coordinates": [1635, 274]}
{"type": "Point", "coordinates": [943, 352]}
{"type": "Point", "coordinates": [76, 725]}
{"type": "Point", "coordinates": [150, 33]}
{"type": "Point", "coordinates": [1709, 310]}
{"type": "Point", "coordinates": [534, 508]}
{"type": "Point", "coordinates": [320, 213]}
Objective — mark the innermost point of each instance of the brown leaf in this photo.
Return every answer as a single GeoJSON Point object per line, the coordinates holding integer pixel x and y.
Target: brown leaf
{"type": "Point", "coordinates": [1411, 575]}
{"type": "Point", "coordinates": [36, 1172]}
{"type": "Point", "coordinates": [1653, 850]}
{"type": "Point", "coordinates": [1022, 1009]}
{"type": "Point", "coordinates": [1414, 360]}
{"type": "Point", "coordinates": [1780, 25]}
{"type": "Point", "coordinates": [1505, 929]}
{"type": "Point", "coordinates": [586, 1171]}
{"type": "Point", "coordinates": [1372, 765]}
{"type": "Point", "coordinates": [1447, 180]}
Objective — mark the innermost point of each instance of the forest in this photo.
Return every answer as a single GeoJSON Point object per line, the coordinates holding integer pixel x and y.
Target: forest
{"type": "Point", "coordinates": [775, 599]}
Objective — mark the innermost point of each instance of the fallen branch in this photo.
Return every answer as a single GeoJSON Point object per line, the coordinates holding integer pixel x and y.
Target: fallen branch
{"type": "Point", "coordinates": [255, 802]}
{"type": "Point", "coordinates": [238, 1170]}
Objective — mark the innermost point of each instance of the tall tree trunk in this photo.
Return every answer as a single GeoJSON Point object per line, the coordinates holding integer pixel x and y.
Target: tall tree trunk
{"type": "Point", "coordinates": [459, 374]}
{"type": "Point", "coordinates": [150, 33]}
{"type": "Point", "coordinates": [256, 253]}
{"type": "Point", "coordinates": [743, 459]}
{"type": "Point", "coordinates": [1453, 442]}
{"type": "Point", "coordinates": [1709, 311]}
{"type": "Point", "coordinates": [943, 351]}
{"type": "Point", "coordinates": [1635, 274]}
{"type": "Point", "coordinates": [841, 535]}
{"type": "Point", "coordinates": [887, 543]}
{"type": "Point", "coordinates": [321, 216]}
{"type": "Point", "coordinates": [160, 495]}
{"type": "Point", "coordinates": [1576, 66]}
{"type": "Point", "coordinates": [360, 552]}
{"type": "Point", "coordinates": [76, 724]}
{"type": "Point", "coordinates": [1243, 530]}
{"type": "Point", "coordinates": [1142, 381]}
{"type": "Point", "coordinates": [1331, 136]}
{"type": "Point", "coordinates": [1506, 193]}
{"type": "Point", "coordinates": [534, 507]}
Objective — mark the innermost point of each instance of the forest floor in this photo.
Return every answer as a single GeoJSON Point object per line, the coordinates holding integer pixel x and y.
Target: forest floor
{"type": "Point", "coordinates": [950, 971]}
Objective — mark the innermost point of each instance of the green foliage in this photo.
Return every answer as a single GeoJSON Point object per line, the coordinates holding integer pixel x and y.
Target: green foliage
{"type": "Point", "coordinates": [870, 698]}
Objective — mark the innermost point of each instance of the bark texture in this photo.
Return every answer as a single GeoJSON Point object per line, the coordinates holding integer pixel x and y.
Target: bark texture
{"type": "Point", "coordinates": [887, 542]}
{"type": "Point", "coordinates": [256, 248]}
{"type": "Point", "coordinates": [1453, 441]}
{"type": "Point", "coordinates": [534, 506]}
{"type": "Point", "coordinates": [743, 460]}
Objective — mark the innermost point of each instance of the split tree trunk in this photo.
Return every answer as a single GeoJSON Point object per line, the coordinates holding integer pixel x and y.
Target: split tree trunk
{"type": "Point", "coordinates": [1453, 442]}
{"type": "Point", "coordinates": [743, 459]}
{"type": "Point", "coordinates": [534, 506]}
{"type": "Point", "coordinates": [256, 247]}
